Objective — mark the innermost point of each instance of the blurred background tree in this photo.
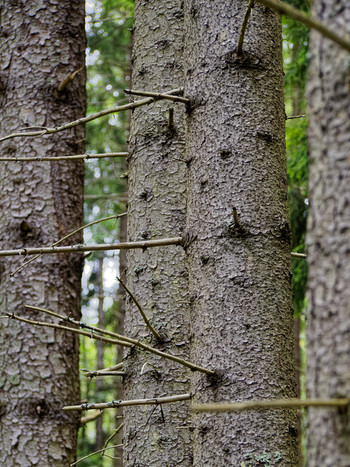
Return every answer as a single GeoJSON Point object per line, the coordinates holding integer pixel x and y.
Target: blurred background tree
{"type": "Point", "coordinates": [108, 30]}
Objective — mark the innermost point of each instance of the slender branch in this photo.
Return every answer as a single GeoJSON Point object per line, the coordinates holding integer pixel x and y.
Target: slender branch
{"type": "Point", "coordinates": [89, 118]}
{"type": "Point", "coordinates": [271, 404]}
{"type": "Point", "coordinates": [298, 255]}
{"type": "Point", "coordinates": [69, 235]}
{"type": "Point", "coordinates": [66, 328]}
{"type": "Point", "coordinates": [94, 374]}
{"type": "Point", "coordinates": [91, 374]}
{"type": "Point", "coordinates": [291, 117]}
{"type": "Point", "coordinates": [95, 452]}
{"type": "Point", "coordinates": [117, 404]}
{"type": "Point", "coordinates": [158, 95]}
{"type": "Point", "coordinates": [143, 314]}
{"type": "Point", "coordinates": [244, 26]}
{"type": "Point", "coordinates": [91, 418]}
{"type": "Point", "coordinates": [135, 342]}
{"type": "Point", "coordinates": [65, 158]}
{"type": "Point", "coordinates": [307, 20]}
{"type": "Point", "coordinates": [115, 432]}
{"type": "Point", "coordinates": [103, 247]}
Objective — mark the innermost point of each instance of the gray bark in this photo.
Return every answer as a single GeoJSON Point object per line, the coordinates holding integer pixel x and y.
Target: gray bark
{"type": "Point", "coordinates": [239, 278]}
{"type": "Point", "coordinates": [158, 278]}
{"type": "Point", "coordinates": [41, 42]}
{"type": "Point", "coordinates": [328, 319]}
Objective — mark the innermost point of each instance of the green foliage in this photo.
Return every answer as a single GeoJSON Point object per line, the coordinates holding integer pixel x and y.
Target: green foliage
{"type": "Point", "coordinates": [295, 46]}
{"type": "Point", "coordinates": [108, 43]}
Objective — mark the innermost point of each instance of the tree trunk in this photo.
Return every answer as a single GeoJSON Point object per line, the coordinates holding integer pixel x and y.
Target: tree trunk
{"type": "Point", "coordinates": [100, 350]}
{"type": "Point", "coordinates": [157, 436]}
{"type": "Point", "coordinates": [40, 202]}
{"type": "Point", "coordinates": [239, 273]}
{"type": "Point", "coordinates": [328, 320]}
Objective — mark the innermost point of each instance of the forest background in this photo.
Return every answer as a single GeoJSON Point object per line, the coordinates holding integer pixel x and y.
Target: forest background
{"type": "Point", "coordinates": [109, 36]}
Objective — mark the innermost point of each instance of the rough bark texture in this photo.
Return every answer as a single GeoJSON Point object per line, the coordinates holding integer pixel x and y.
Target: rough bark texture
{"type": "Point", "coordinates": [328, 320]}
{"type": "Point", "coordinates": [240, 282]}
{"type": "Point", "coordinates": [41, 42]}
{"type": "Point", "coordinates": [158, 277]}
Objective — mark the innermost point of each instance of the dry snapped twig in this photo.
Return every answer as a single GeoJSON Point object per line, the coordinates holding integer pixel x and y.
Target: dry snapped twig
{"type": "Point", "coordinates": [244, 26]}
{"type": "Point", "coordinates": [91, 418]}
{"type": "Point", "coordinates": [65, 158]}
{"type": "Point", "coordinates": [307, 20]}
{"type": "Point", "coordinates": [143, 314]}
{"type": "Point", "coordinates": [117, 404]}
{"type": "Point", "coordinates": [298, 255]}
{"type": "Point", "coordinates": [68, 79]}
{"type": "Point", "coordinates": [129, 340]}
{"type": "Point", "coordinates": [89, 118]}
{"type": "Point", "coordinates": [95, 452]}
{"type": "Point", "coordinates": [291, 117]}
{"type": "Point", "coordinates": [103, 371]}
{"type": "Point", "coordinates": [70, 329]}
{"type": "Point", "coordinates": [81, 248]}
{"type": "Point", "coordinates": [271, 404]}
{"type": "Point", "coordinates": [95, 374]}
{"type": "Point", "coordinates": [115, 432]}
{"type": "Point", "coordinates": [158, 96]}
{"type": "Point", "coordinates": [69, 235]}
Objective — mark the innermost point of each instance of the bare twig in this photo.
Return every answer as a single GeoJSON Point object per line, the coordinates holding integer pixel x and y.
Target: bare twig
{"type": "Point", "coordinates": [89, 118]}
{"type": "Point", "coordinates": [103, 371]}
{"type": "Point", "coordinates": [91, 418]}
{"type": "Point", "coordinates": [95, 452]}
{"type": "Point", "coordinates": [129, 340]}
{"type": "Point", "coordinates": [94, 374]}
{"type": "Point", "coordinates": [70, 329]}
{"type": "Point", "coordinates": [298, 255]}
{"type": "Point", "coordinates": [143, 314]}
{"type": "Point", "coordinates": [291, 117]}
{"type": "Point", "coordinates": [307, 20]}
{"type": "Point", "coordinates": [69, 235]}
{"type": "Point", "coordinates": [244, 26]}
{"type": "Point", "coordinates": [270, 404]}
{"type": "Point", "coordinates": [115, 432]}
{"type": "Point", "coordinates": [68, 79]}
{"type": "Point", "coordinates": [81, 248]}
{"type": "Point", "coordinates": [116, 404]}
{"type": "Point", "coordinates": [158, 95]}
{"type": "Point", "coordinates": [65, 158]}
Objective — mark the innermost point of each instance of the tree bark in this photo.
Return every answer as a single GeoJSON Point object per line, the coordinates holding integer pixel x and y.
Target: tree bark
{"type": "Point", "coordinates": [100, 350]}
{"type": "Point", "coordinates": [239, 272]}
{"type": "Point", "coordinates": [40, 202]}
{"type": "Point", "coordinates": [157, 203]}
{"type": "Point", "coordinates": [328, 319]}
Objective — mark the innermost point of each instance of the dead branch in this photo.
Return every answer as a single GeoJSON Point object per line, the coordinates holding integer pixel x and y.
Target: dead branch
{"type": "Point", "coordinates": [244, 26]}
{"type": "Point", "coordinates": [129, 340]}
{"type": "Point", "coordinates": [158, 96]}
{"type": "Point", "coordinates": [143, 314]}
{"type": "Point", "coordinates": [103, 247]}
{"type": "Point", "coordinates": [69, 235]}
{"type": "Point", "coordinates": [117, 404]}
{"type": "Point", "coordinates": [91, 418]}
{"type": "Point", "coordinates": [65, 158]}
{"type": "Point", "coordinates": [70, 329]}
{"type": "Point", "coordinates": [307, 20]}
{"type": "Point", "coordinates": [271, 404]}
{"type": "Point", "coordinates": [89, 118]}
